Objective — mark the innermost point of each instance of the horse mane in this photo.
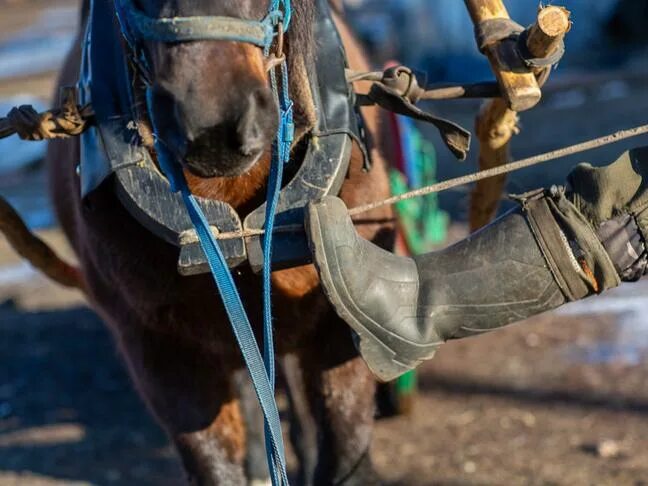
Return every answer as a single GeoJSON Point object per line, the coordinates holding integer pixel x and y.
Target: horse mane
{"type": "Point", "coordinates": [300, 53]}
{"type": "Point", "coordinates": [301, 41]}
{"type": "Point", "coordinates": [85, 11]}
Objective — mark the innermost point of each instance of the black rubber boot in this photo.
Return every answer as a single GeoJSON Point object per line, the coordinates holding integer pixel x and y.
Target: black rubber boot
{"type": "Point", "coordinates": [559, 246]}
{"type": "Point", "coordinates": [402, 309]}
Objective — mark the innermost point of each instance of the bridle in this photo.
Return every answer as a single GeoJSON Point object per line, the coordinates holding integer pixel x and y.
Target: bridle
{"type": "Point", "coordinates": [138, 28]}
{"type": "Point", "coordinates": [183, 29]}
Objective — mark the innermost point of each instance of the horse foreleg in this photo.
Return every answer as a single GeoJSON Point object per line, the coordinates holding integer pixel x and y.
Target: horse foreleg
{"type": "Point", "coordinates": [303, 428]}
{"type": "Point", "coordinates": [342, 392]}
{"type": "Point", "coordinates": [191, 396]}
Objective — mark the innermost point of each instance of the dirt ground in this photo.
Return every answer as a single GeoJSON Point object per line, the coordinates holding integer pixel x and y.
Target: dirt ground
{"type": "Point", "coordinates": [528, 405]}
{"type": "Point", "coordinates": [561, 400]}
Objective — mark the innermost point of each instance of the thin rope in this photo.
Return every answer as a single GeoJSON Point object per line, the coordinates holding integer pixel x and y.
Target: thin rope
{"type": "Point", "coordinates": [505, 169]}
{"type": "Point", "coordinates": [464, 180]}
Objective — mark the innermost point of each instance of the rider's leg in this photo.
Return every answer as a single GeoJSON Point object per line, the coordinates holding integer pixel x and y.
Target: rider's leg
{"type": "Point", "coordinates": [531, 260]}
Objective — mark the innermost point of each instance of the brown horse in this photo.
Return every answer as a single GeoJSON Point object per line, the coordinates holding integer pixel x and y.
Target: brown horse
{"type": "Point", "coordinates": [172, 330]}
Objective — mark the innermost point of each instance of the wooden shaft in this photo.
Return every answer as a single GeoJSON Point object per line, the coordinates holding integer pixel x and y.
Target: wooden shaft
{"type": "Point", "coordinates": [496, 124]}
{"type": "Point", "coordinates": [520, 90]}
{"type": "Point", "coordinates": [546, 35]}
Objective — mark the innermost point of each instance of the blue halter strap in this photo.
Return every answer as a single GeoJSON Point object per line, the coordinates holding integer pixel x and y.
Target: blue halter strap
{"type": "Point", "coordinates": [138, 27]}
{"type": "Point", "coordinates": [141, 27]}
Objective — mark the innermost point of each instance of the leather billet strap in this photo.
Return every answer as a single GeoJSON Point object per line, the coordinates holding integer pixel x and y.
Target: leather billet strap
{"type": "Point", "coordinates": [139, 27]}
{"type": "Point", "coordinates": [455, 137]}
{"type": "Point", "coordinates": [497, 30]}
{"type": "Point", "coordinates": [573, 252]}
{"type": "Point", "coordinates": [397, 90]}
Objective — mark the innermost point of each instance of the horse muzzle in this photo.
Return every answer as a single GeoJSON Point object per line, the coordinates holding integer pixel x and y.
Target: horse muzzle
{"type": "Point", "coordinates": [216, 132]}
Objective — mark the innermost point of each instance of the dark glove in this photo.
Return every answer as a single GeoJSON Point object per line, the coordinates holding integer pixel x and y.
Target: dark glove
{"type": "Point", "coordinates": [614, 199]}
{"type": "Point", "coordinates": [593, 234]}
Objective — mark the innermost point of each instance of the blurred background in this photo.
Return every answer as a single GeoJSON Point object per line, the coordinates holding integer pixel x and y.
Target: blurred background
{"type": "Point", "coordinates": [561, 400]}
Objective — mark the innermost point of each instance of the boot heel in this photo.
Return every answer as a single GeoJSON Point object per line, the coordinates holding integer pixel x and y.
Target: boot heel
{"type": "Point", "coordinates": [381, 360]}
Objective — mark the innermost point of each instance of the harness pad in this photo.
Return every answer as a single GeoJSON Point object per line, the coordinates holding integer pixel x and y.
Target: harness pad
{"type": "Point", "coordinates": [112, 151]}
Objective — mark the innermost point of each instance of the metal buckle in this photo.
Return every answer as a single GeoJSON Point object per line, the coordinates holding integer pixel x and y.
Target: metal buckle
{"type": "Point", "coordinates": [277, 57]}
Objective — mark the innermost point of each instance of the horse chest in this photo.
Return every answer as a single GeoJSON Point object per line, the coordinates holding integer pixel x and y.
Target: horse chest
{"type": "Point", "coordinates": [134, 280]}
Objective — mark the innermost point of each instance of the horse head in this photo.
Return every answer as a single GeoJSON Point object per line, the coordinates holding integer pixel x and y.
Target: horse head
{"type": "Point", "coordinates": [211, 99]}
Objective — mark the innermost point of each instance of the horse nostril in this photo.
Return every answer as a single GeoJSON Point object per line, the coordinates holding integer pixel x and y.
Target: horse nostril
{"type": "Point", "coordinates": [256, 125]}
{"type": "Point", "coordinates": [262, 98]}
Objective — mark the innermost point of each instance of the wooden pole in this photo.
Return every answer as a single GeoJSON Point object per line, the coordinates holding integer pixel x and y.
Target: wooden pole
{"type": "Point", "coordinates": [496, 123]}
{"type": "Point", "coordinates": [546, 35]}
{"type": "Point", "coordinates": [520, 90]}
{"type": "Point", "coordinates": [495, 126]}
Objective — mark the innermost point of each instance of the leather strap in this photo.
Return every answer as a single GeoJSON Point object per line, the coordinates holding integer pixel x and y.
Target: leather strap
{"type": "Point", "coordinates": [141, 27]}
{"type": "Point", "coordinates": [574, 254]}
{"type": "Point", "coordinates": [554, 246]}
{"type": "Point", "coordinates": [456, 138]}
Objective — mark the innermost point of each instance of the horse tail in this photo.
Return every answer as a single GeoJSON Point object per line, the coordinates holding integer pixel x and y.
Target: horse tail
{"type": "Point", "coordinates": [38, 253]}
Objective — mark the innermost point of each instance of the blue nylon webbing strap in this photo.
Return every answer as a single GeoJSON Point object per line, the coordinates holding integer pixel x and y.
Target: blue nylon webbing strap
{"type": "Point", "coordinates": [141, 27]}
{"type": "Point", "coordinates": [280, 156]}
{"type": "Point", "coordinates": [261, 369]}
{"type": "Point", "coordinates": [255, 363]}
{"type": "Point", "coordinates": [242, 328]}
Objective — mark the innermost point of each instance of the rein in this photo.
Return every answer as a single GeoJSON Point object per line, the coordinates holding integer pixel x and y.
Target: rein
{"type": "Point", "coordinates": [137, 27]}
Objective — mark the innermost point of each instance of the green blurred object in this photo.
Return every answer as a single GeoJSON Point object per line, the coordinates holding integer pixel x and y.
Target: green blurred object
{"type": "Point", "coordinates": [423, 225]}
{"type": "Point", "coordinates": [407, 383]}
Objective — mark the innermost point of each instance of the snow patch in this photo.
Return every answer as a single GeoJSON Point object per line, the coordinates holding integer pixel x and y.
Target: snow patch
{"type": "Point", "coordinates": [629, 303]}
{"type": "Point", "coordinates": [19, 274]}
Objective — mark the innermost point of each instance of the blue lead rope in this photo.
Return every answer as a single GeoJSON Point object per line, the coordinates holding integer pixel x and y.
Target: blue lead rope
{"type": "Point", "coordinates": [280, 156]}
{"type": "Point", "coordinates": [261, 369]}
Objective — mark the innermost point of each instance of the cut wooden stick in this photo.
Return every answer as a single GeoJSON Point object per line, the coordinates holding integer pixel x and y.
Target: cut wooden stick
{"type": "Point", "coordinates": [548, 33]}
{"type": "Point", "coordinates": [496, 123]}
{"type": "Point", "coordinates": [519, 89]}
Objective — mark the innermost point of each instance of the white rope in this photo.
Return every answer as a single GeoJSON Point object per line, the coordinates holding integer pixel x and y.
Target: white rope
{"type": "Point", "coordinates": [505, 169]}
{"type": "Point", "coordinates": [467, 179]}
